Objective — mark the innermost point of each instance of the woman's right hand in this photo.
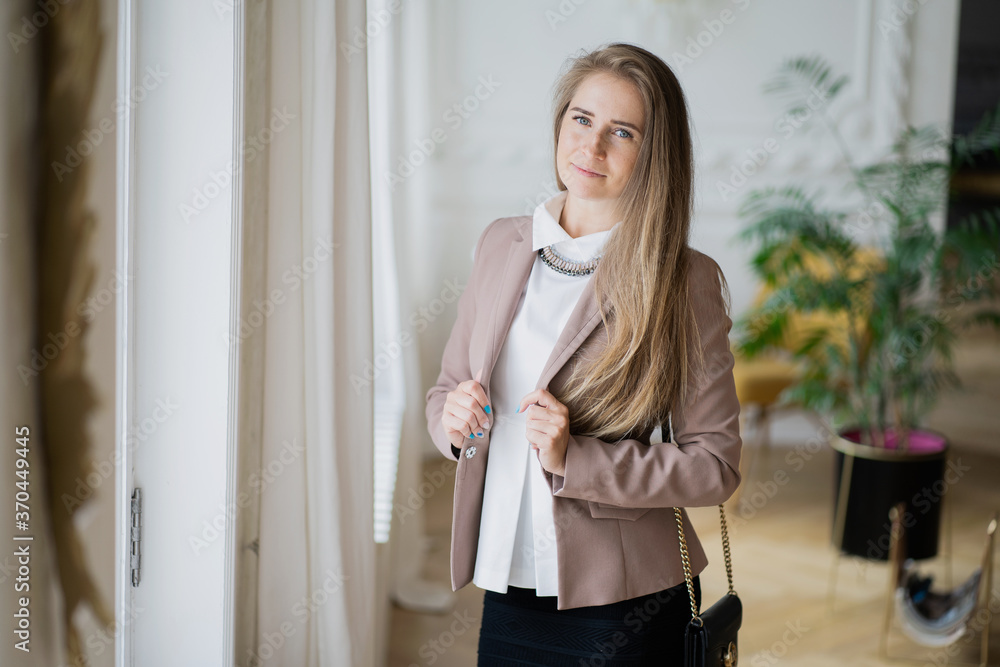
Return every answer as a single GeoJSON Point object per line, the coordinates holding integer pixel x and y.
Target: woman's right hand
{"type": "Point", "coordinates": [464, 411]}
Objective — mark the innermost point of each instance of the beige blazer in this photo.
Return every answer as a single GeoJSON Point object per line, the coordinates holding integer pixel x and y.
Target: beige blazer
{"type": "Point", "coordinates": [616, 536]}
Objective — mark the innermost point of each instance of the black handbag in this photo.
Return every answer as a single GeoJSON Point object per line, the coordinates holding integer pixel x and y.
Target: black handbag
{"type": "Point", "coordinates": [710, 637]}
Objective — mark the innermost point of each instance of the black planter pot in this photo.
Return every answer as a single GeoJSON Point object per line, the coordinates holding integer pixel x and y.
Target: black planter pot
{"type": "Point", "coordinates": [875, 479]}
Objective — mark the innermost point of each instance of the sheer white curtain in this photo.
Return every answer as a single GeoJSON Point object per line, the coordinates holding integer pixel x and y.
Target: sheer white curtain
{"type": "Point", "coordinates": [399, 52]}
{"type": "Point", "coordinates": [317, 580]}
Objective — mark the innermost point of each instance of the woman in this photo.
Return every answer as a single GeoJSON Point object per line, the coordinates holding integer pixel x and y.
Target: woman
{"type": "Point", "coordinates": [582, 330]}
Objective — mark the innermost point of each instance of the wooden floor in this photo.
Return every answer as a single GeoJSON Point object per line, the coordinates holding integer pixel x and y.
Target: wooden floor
{"type": "Point", "coordinates": [782, 557]}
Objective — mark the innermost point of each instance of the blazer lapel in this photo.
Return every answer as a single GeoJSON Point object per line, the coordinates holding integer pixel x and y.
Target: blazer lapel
{"type": "Point", "coordinates": [582, 320]}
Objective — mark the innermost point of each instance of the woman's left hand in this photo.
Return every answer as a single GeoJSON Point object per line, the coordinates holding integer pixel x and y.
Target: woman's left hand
{"type": "Point", "coordinates": [547, 429]}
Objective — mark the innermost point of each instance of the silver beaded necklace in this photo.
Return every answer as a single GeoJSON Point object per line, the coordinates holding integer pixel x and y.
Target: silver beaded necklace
{"type": "Point", "coordinates": [567, 266]}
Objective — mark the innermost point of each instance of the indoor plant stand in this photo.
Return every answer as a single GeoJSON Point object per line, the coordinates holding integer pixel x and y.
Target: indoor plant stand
{"type": "Point", "coordinates": [869, 481]}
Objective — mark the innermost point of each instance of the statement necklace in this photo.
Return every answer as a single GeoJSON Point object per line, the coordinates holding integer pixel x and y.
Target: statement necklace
{"type": "Point", "coordinates": [567, 266]}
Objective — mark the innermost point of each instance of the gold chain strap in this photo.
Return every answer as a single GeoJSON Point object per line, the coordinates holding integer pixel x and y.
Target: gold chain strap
{"type": "Point", "coordinates": [725, 548]}
{"type": "Point", "coordinates": [686, 562]}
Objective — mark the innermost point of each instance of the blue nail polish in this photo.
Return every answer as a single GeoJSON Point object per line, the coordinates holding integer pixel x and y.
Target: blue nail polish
{"type": "Point", "coordinates": [472, 436]}
{"type": "Point", "coordinates": [480, 434]}
{"type": "Point", "coordinates": [518, 409]}
{"type": "Point", "coordinates": [487, 409]}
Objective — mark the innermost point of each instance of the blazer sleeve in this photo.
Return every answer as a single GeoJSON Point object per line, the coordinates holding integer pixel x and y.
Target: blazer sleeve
{"type": "Point", "coordinates": [455, 360]}
{"type": "Point", "coordinates": [702, 468]}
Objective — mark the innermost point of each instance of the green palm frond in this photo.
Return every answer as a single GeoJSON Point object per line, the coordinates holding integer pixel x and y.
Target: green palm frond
{"type": "Point", "coordinates": [981, 318]}
{"type": "Point", "coordinates": [814, 393]}
{"type": "Point", "coordinates": [921, 143]}
{"type": "Point", "coordinates": [970, 258]}
{"type": "Point", "coordinates": [803, 80]}
{"type": "Point", "coordinates": [814, 341]}
{"type": "Point", "coordinates": [907, 190]}
{"type": "Point", "coordinates": [984, 138]}
{"type": "Point", "coordinates": [762, 330]}
{"type": "Point", "coordinates": [777, 214]}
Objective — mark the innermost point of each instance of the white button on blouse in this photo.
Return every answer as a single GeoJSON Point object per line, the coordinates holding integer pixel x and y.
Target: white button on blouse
{"type": "Point", "coordinates": [517, 543]}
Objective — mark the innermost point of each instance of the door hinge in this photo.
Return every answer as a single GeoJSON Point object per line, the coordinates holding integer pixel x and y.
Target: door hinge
{"type": "Point", "coordinates": [136, 535]}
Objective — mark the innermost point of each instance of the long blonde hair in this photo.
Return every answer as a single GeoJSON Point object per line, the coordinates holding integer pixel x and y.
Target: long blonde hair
{"type": "Point", "coordinates": [643, 277]}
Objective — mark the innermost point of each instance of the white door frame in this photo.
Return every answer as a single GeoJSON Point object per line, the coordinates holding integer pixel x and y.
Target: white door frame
{"type": "Point", "coordinates": [142, 357]}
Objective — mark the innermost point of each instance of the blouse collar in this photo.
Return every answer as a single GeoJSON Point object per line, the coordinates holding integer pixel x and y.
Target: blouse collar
{"type": "Point", "coordinates": [545, 230]}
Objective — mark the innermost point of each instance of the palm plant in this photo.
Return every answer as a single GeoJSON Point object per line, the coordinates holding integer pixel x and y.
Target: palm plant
{"type": "Point", "coordinates": [880, 351]}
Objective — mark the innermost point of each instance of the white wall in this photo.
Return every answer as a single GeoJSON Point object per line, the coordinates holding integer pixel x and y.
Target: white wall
{"type": "Point", "coordinates": [498, 161]}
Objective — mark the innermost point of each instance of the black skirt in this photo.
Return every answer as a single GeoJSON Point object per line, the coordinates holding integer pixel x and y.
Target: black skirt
{"type": "Point", "coordinates": [519, 628]}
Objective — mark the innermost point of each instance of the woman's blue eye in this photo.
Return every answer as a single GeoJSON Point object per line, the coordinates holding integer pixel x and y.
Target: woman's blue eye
{"type": "Point", "coordinates": [628, 135]}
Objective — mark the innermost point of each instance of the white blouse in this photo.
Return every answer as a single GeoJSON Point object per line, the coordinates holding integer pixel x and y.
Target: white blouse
{"type": "Point", "coordinates": [517, 543]}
